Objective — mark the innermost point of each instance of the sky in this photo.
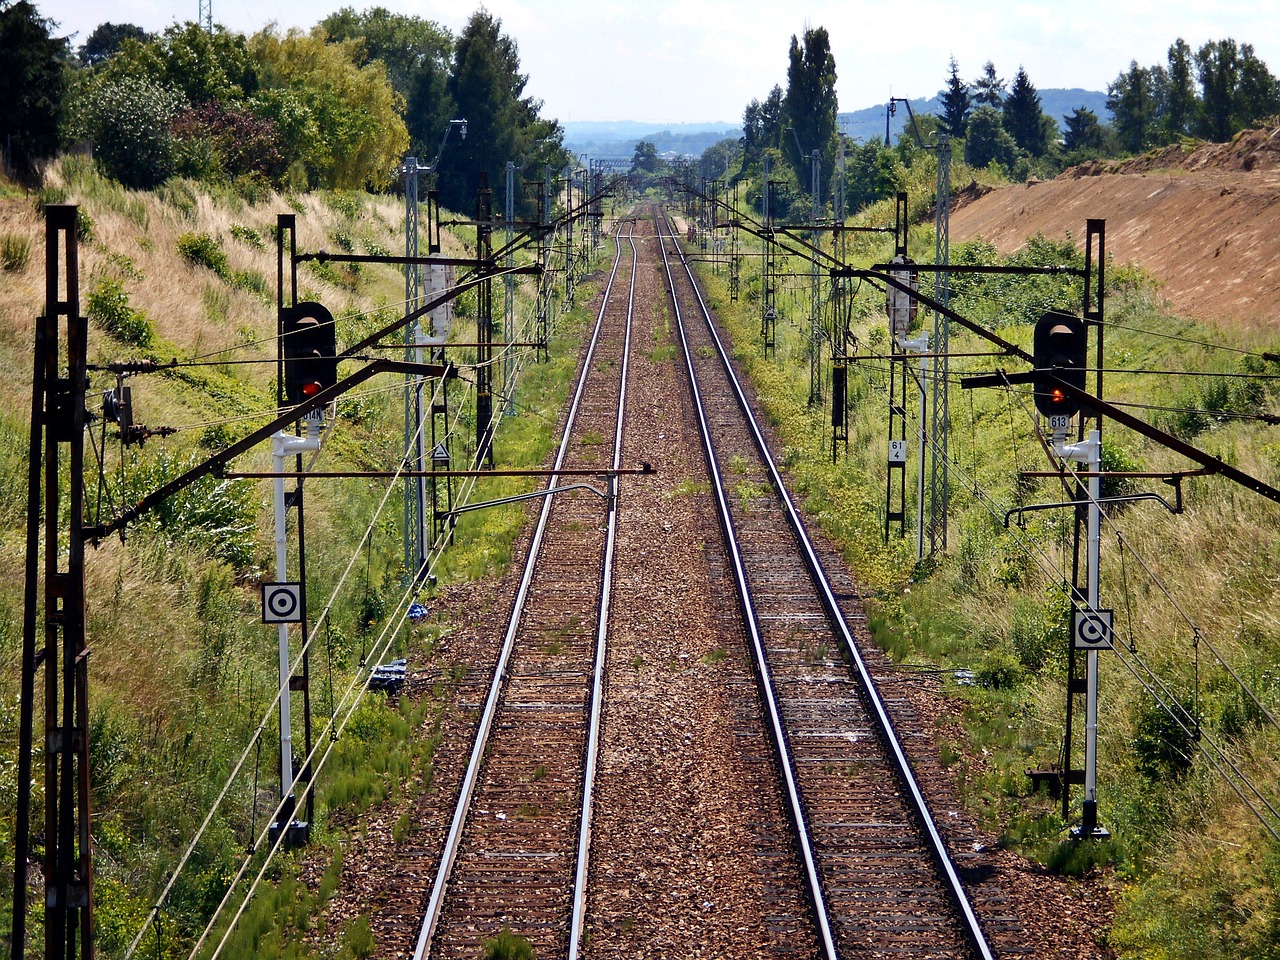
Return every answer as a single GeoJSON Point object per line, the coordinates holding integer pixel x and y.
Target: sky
{"type": "Point", "coordinates": [693, 61]}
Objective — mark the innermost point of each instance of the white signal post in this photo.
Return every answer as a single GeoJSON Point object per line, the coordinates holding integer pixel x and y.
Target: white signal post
{"type": "Point", "coordinates": [1088, 452]}
{"type": "Point", "coordinates": [285, 445]}
{"type": "Point", "coordinates": [920, 345]}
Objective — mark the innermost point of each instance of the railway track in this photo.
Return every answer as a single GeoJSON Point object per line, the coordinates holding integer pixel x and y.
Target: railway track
{"type": "Point", "coordinates": [516, 854]}
{"type": "Point", "coordinates": [881, 880]}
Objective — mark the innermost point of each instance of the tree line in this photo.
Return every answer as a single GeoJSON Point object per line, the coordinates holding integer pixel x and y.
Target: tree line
{"type": "Point", "coordinates": [335, 108]}
{"type": "Point", "coordinates": [1211, 93]}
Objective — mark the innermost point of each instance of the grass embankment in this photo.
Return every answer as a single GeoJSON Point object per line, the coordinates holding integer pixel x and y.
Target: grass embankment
{"type": "Point", "coordinates": [1193, 594]}
{"type": "Point", "coordinates": [182, 670]}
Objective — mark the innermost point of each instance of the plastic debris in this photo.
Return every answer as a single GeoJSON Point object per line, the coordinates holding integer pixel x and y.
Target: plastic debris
{"type": "Point", "coordinates": [388, 677]}
{"type": "Point", "coordinates": [417, 613]}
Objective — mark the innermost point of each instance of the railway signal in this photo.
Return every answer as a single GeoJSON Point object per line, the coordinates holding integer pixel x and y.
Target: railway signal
{"type": "Point", "coordinates": [1059, 350]}
{"type": "Point", "coordinates": [309, 346]}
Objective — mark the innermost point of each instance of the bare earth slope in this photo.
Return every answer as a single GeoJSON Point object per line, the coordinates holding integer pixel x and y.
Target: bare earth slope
{"type": "Point", "coordinates": [1205, 223]}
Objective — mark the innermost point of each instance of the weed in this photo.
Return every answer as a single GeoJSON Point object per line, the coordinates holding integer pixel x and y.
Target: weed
{"type": "Point", "coordinates": [508, 946]}
{"type": "Point", "coordinates": [714, 656]}
{"type": "Point", "coordinates": [248, 236]}
{"type": "Point", "coordinates": [15, 252]}
{"type": "Point", "coordinates": [108, 306]}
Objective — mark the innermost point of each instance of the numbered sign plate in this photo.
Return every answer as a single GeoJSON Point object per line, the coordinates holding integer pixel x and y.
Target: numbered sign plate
{"type": "Point", "coordinates": [897, 451]}
{"type": "Point", "coordinates": [282, 603]}
{"type": "Point", "coordinates": [1092, 630]}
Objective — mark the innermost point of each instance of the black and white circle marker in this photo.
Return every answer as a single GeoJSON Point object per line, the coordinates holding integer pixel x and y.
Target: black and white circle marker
{"type": "Point", "coordinates": [1092, 629]}
{"type": "Point", "coordinates": [282, 603]}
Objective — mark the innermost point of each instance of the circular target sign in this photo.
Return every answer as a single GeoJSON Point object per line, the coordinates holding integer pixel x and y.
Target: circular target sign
{"type": "Point", "coordinates": [1093, 629]}
{"type": "Point", "coordinates": [282, 603]}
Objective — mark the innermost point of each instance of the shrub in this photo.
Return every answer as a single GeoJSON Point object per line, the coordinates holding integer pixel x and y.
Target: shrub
{"type": "Point", "coordinates": [1165, 737]}
{"type": "Point", "coordinates": [128, 118]}
{"type": "Point", "coordinates": [248, 236]}
{"type": "Point", "coordinates": [218, 142]}
{"type": "Point", "coordinates": [108, 306]}
{"type": "Point", "coordinates": [202, 250]}
{"type": "Point", "coordinates": [15, 252]}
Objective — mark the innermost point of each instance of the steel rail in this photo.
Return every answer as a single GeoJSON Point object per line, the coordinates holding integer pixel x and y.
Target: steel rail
{"type": "Point", "coordinates": [579, 920]}
{"type": "Point", "coordinates": [453, 841]}
{"type": "Point", "coordinates": [919, 804]}
{"type": "Point", "coordinates": [777, 733]}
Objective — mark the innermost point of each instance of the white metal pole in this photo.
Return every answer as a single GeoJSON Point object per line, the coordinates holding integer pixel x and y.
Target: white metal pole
{"type": "Point", "coordinates": [284, 445]}
{"type": "Point", "coordinates": [1090, 811]}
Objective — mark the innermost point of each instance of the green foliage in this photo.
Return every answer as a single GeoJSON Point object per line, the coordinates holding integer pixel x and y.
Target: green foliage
{"type": "Point", "coordinates": [217, 516]}
{"type": "Point", "coordinates": [987, 140]}
{"type": "Point", "coordinates": [416, 54]}
{"type": "Point", "coordinates": [1076, 858]}
{"type": "Point", "coordinates": [488, 89]}
{"type": "Point", "coordinates": [1165, 738]}
{"type": "Point", "coordinates": [203, 250]}
{"type": "Point", "coordinates": [15, 252]}
{"type": "Point", "coordinates": [508, 946]}
{"type": "Point", "coordinates": [340, 121]}
{"type": "Point", "coordinates": [32, 85]}
{"type": "Point", "coordinates": [108, 306]}
{"type": "Point", "coordinates": [809, 107]}
{"type": "Point", "coordinates": [248, 236]}
{"type": "Point", "coordinates": [128, 120]}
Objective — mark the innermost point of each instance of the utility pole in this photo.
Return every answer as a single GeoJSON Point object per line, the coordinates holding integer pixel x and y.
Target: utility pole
{"type": "Point", "coordinates": [57, 437]}
{"type": "Point", "coordinates": [509, 286]}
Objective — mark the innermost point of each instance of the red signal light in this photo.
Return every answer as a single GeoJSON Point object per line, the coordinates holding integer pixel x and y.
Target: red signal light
{"type": "Point", "coordinates": [311, 388]}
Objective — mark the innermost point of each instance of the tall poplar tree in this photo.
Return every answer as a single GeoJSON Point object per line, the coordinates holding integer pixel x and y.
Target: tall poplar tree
{"type": "Point", "coordinates": [809, 107]}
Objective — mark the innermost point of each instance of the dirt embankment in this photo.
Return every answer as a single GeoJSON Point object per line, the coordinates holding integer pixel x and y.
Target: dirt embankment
{"type": "Point", "coordinates": [1204, 223]}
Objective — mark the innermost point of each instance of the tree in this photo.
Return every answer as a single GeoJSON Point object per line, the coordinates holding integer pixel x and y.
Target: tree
{"type": "Point", "coordinates": [1083, 132]}
{"type": "Point", "coordinates": [988, 140]}
{"type": "Point", "coordinates": [127, 119]}
{"type": "Point", "coordinates": [32, 85]}
{"type": "Point", "coordinates": [1176, 96]}
{"type": "Point", "coordinates": [1257, 96]}
{"type": "Point", "coordinates": [202, 66]}
{"type": "Point", "coordinates": [988, 89]}
{"type": "Point", "coordinates": [417, 54]}
{"type": "Point", "coordinates": [645, 159]}
{"type": "Point", "coordinates": [219, 143]}
{"type": "Point", "coordinates": [809, 107]}
{"type": "Point", "coordinates": [956, 103]}
{"type": "Point", "coordinates": [1218, 68]}
{"type": "Point", "coordinates": [503, 124]}
{"type": "Point", "coordinates": [1023, 116]}
{"type": "Point", "coordinates": [355, 115]}
{"type": "Point", "coordinates": [872, 172]}
{"type": "Point", "coordinates": [106, 40]}
{"type": "Point", "coordinates": [1132, 104]}
{"type": "Point", "coordinates": [761, 126]}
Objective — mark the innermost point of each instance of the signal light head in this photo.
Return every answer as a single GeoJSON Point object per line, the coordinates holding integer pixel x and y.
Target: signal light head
{"type": "Point", "coordinates": [1060, 349]}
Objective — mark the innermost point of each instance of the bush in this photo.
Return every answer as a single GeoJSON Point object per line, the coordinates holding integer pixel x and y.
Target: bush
{"type": "Point", "coordinates": [128, 119]}
{"type": "Point", "coordinates": [202, 250]}
{"type": "Point", "coordinates": [108, 306]}
{"type": "Point", "coordinates": [1165, 738]}
{"type": "Point", "coordinates": [248, 236]}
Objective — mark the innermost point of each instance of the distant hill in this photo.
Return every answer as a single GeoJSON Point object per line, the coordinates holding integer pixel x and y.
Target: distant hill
{"type": "Point", "coordinates": [617, 138]}
{"type": "Point", "coordinates": [868, 124]}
